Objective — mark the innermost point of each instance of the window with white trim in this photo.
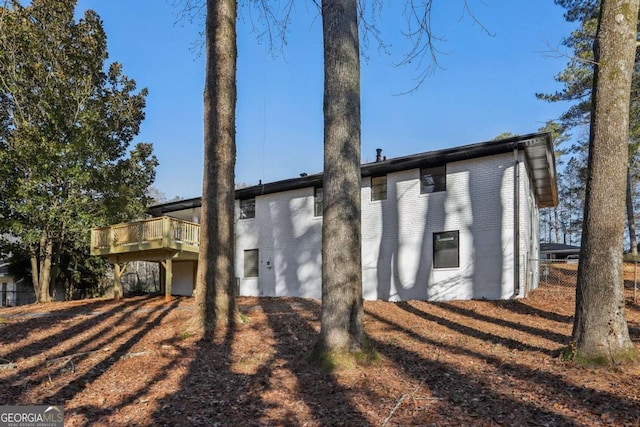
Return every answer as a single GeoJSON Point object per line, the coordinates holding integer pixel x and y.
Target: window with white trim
{"type": "Point", "coordinates": [248, 208]}
{"type": "Point", "coordinates": [446, 249]}
{"type": "Point", "coordinates": [318, 201]}
{"type": "Point", "coordinates": [379, 188]}
{"type": "Point", "coordinates": [433, 180]}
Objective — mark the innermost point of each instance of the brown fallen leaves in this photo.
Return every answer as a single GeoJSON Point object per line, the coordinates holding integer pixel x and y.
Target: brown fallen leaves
{"type": "Point", "coordinates": [456, 363]}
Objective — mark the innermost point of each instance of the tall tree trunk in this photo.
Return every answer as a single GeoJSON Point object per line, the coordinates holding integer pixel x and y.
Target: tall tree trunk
{"type": "Point", "coordinates": [56, 258]}
{"type": "Point", "coordinates": [40, 259]}
{"type": "Point", "coordinates": [600, 328]}
{"type": "Point", "coordinates": [45, 271]}
{"type": "Point", "coordinates": [342, 329]}
{"type": "Point", "coordinates": [631, 218]}
{"type": "Point", "coordinates": [556, 224]}
{"type": "Point", "coordinates": [35, 278]}
{"type": "Point", "coordinates": [215, 304]}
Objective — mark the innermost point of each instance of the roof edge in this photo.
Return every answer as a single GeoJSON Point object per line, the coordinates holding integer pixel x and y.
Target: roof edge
{"type": "Point", "coordinates": [426, 159]}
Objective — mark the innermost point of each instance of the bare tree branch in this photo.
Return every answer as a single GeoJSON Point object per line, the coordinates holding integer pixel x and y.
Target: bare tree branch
{"type": "Point", "coordinates": [368, 23]}
{"type": "Point", "coordinates": [271, 24]}
{"type": "Point", "coordinates": [418, 14]}
{"type": "Point", "coordinates": [554, 52]}
{"type": "Point", "coordinates": [269, 20]}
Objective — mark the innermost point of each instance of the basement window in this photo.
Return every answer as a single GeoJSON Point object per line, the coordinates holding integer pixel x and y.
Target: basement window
{"type": "Point", "coordinates": [248, 208]}
{"type": "Point", "coordinates": [433, 180]}
{"type": "Point", "coordinates": [379, 188]}
{"type": "Point", "coordinates": [251, 262]}
{"type": "Point", "coordinates": [446, 249]}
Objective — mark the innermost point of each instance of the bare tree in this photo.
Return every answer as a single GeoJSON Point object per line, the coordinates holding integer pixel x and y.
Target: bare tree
{"type": "Point", "coordinates": [600, 328]}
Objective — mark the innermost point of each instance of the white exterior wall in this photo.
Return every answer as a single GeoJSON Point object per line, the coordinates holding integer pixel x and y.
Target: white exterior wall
{"type": "Point", "coordinates": [397, 236]}
{"type": "Point", "coordinates": [183, 278]}
{"type": "Point", "coordinates": [529, 232]}
{"type": "Point", "coordinates": [288, 237]}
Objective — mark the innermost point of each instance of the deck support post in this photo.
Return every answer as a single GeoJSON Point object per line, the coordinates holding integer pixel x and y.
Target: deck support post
{"type": "Point", "coordinates": [117, 276]}
{"type": "Point", "coordinates": [168, 270]}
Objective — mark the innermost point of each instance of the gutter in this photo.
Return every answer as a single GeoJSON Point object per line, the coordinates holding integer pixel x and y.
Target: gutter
{"type": "Point", "coordinates": [516, 223]}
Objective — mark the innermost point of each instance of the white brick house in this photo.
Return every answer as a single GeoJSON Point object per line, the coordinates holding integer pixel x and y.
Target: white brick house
{"type": "Point", "coordinates": [458, 223]}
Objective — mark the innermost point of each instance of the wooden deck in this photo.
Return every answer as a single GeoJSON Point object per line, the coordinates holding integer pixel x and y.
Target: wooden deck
{"type": "Point", "coordinates": [163, 239]}
{"type": "Point", "coordinates": [154, 239]}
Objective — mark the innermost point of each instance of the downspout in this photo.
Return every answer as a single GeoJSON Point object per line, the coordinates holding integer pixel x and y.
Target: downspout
{"type": "Point", "coordinates": [516, 223]}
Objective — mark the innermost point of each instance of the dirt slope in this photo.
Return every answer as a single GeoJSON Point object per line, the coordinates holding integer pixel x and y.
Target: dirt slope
{"type": "Point", "coordinates": [458, 363]}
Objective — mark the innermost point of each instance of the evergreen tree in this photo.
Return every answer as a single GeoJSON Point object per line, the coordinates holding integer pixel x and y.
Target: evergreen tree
{"type": "Point", "coordinates": [65, 127]}
{"type": "Point", "coordinates": [577, 79]}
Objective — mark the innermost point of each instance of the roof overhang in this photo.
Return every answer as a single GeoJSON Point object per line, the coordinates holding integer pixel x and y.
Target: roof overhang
{"type": "Point", "coordinates": [558, 248]}
{"type": "Point", "coordinates": [537, 148]}
{"type": "Point", "coordinates": [541, 164]}
{"type": "Point", "coordinates": [179, 205]}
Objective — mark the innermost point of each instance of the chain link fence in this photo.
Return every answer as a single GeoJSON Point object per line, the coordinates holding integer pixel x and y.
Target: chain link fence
{"type": "Point", "coordinates": [556, 271]}
{"type": "Point", "coordinates": [564, 272]}
{"type": "Point", "coordinates": [141, 278]}
{"type": "Point", "coordinates": [12, 298]}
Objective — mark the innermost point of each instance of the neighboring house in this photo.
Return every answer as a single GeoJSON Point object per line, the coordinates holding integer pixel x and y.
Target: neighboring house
{"type": "Point", "coordinates": [8, 291]}
{"type": "Point", "coordinates": [558, 251]}
{"type": "Point", "coordinates": [457, 223]}
{"type": "Point", "coordinates": [14, 292]}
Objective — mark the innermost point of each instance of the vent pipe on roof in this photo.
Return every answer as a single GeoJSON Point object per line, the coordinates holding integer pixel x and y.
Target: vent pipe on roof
{"type": "Point", "coordinates": [378, 155]}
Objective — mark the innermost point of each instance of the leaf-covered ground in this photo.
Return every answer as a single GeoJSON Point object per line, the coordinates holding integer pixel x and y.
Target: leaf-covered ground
{"type": "Point", "coordinates": [457, 363]}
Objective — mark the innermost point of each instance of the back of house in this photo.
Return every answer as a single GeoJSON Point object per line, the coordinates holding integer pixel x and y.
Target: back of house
{"type": "Point", "coordinates": [458, 223]}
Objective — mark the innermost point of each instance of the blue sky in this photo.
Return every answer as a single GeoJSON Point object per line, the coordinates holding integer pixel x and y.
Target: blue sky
{"type": "Point", "coordinates": [486, 86]}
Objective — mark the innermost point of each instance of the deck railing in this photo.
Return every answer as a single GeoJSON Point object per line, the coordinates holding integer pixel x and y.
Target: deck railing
{"type": "Point", "coordinates": [159, 232]}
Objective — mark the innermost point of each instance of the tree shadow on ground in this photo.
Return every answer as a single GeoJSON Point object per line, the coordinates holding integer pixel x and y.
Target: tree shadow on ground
{"type": "Point", "coordinates": [61, 352]}
{"type": "Point", "coordinates": [518, 307]}
{"type": "Point", "coordinates": [462, 398]}
{"type": "Point", "coordinates": [140, 328]}
{"type": "Point", "coordinates": [533, 390]}
{"type": "Point", "coordinates": [328, 402]}
{"type": "Point", "coordinates": [69, 365]}
{"type": "Point", "coordinates": [533, 330]}
{"type": "Point", "coordinates": [472, 332]}
{"type": "Point", "coordinates": [225, 385]}
{"type": "Point", "coordinates": [40, 317]}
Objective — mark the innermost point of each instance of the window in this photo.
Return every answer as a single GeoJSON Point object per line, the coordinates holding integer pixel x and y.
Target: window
{"type": "Point", "coordinates": [379, 188]}
{"type": "Point", "coordinates": [251, 262]}
{"type": "Point", "coordinates": [318, 197]}
{"type": "Point", "coordinates": [247, 208]}
{"type": "Point", "coordinates": [446, 249]}
{"type": "Point", "coordinates": [433, 180]}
